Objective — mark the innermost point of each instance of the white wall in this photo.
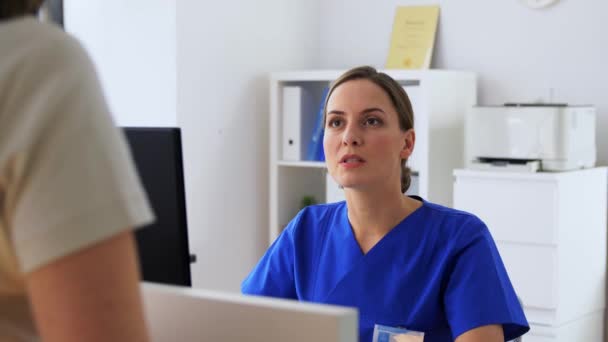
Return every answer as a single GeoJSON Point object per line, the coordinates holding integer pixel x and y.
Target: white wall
{"type": "Point", "coordinates": [204, 67]}
{"type": "Point", "coordinates": [133, 46]}
{"type": "Point", "coordinates": [224, 53]}
{"type": "Point", "coordinates": [518, 53]}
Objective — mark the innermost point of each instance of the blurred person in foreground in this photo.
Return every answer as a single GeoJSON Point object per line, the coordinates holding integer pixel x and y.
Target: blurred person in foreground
{"type": "Point", "coordinates": [69, 193]}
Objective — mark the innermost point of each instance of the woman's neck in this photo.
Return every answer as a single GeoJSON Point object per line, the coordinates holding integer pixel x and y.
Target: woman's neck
{"type": "Point", "coordinates": [372, 214]}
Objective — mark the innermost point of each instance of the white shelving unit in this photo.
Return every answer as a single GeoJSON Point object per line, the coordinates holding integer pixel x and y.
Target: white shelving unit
{"type": "Point", "coordinates": [440, 100]}
{"type": "Point", "coordinates": [550, 230]}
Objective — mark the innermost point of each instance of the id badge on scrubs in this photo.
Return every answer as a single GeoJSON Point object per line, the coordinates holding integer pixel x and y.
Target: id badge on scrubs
{"type": "Point", "coordinates": [383, 333]}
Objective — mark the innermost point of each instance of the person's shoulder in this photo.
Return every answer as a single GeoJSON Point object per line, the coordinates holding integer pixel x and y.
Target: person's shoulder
{"type": "Point", "coordinates": [315, 217]}
{"type": "Point", "coordinates": [63, 50]}
{"type": "Point", "coordinates": [323, 208]}
{"type": "Point", "coordinates": [319, 212]}
{"type": "Point", "coordinates": [449, 212]}
{"type": "Point", "coordinates": [40, 45]}
{"type": "Point", "coordinates": [455, 222]}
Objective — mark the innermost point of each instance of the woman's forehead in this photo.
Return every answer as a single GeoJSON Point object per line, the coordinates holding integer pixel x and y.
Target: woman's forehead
{"type": "Point", "coordinates": [358, 93]}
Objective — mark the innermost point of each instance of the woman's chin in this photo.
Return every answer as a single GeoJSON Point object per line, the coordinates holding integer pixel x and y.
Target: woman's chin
{"type": "Point", "coordinates": [352, 185]}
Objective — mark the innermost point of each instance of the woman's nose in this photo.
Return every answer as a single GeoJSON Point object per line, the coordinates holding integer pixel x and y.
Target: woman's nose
{"type": "Point", "coordinates": [352, 136]}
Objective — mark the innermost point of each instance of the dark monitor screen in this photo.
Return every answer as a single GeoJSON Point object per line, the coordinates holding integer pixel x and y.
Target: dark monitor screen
{"type": "Point", "coordinates": [163, 250]}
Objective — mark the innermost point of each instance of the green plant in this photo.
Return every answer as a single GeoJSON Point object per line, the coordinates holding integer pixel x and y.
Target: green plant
{"type": "Point", "coordinates": [307, 200]}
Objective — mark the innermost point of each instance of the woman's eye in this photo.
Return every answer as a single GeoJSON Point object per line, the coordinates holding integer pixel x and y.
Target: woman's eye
{"type": "Point", "coordinates": [335, 123]}
{"type": "Point", "coordinates": [372, 122]}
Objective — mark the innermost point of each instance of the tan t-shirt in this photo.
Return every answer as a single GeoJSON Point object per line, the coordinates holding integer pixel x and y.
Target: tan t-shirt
{"type": "Point", "coordinates": [67, 179]}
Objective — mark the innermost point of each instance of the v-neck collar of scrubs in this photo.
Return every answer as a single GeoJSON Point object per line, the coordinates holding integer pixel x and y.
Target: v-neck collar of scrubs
{"type": "Point", "coordinates": [354, 246]}
{"type": "Point", "coordinates": [343, 256]}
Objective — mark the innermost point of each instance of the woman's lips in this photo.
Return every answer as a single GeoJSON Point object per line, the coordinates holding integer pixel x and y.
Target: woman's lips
{"type": "Point", "coordinates": [350, 161]}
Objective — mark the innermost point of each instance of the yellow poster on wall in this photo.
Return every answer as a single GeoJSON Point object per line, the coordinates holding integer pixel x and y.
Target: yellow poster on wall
{"type": "Point", "coordinates": [413, 37]}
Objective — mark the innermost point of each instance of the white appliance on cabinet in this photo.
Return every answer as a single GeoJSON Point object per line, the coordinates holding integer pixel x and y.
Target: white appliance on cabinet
{"type": "Point", "coordinates": [531, 137]}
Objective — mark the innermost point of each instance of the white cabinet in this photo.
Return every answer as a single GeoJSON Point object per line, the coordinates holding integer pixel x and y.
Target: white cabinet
{"type": "Point", "coordinates": [440, 100]}
{"type": "Point", "coordinates": [589, 328]}
{"type": "Point", "coordinates": [550, 229]}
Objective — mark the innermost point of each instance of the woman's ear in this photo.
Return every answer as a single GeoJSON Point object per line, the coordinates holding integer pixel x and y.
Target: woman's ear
{"type": "Point", "coordinates": [409, 140]}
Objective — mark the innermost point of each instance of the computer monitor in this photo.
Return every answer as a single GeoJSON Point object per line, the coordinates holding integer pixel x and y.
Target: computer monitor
{"type": "Point", "coordinates": [163, 250]}
{"type": "Point", "coordinates": [186, 314]}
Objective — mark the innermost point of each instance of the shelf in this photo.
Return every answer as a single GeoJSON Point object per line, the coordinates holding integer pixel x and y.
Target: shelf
{"type": "Point", "coordinates": [330, 75]}
{"type": "Point", "coordinates": [310, 164]}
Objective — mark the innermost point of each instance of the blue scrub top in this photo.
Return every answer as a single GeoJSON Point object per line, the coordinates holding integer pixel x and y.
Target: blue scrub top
{"type": "Point", "coordinates": [438, 271]}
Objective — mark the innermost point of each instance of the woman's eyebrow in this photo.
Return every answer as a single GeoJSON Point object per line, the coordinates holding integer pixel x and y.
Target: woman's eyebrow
{"type": "Point", "coordinates": [365, 111]}
{"type": "Point", "coordinates": [372, 109]}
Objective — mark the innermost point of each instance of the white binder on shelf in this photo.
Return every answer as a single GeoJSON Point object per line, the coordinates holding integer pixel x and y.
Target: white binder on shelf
{"type": "Point", "coordinates": [298, 121]}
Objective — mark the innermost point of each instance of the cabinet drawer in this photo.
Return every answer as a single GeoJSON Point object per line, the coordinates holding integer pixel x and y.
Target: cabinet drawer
{"type": "Point", "coordinates": [516, 211]}
{"type": "Point", "coordinates": [588, 328]}
{"type": "Point", "coordinates": [533, 273]}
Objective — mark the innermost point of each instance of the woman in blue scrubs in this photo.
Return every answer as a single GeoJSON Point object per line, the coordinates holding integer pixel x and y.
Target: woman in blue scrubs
{"type": "Point", "coordinates": [402, 261]}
